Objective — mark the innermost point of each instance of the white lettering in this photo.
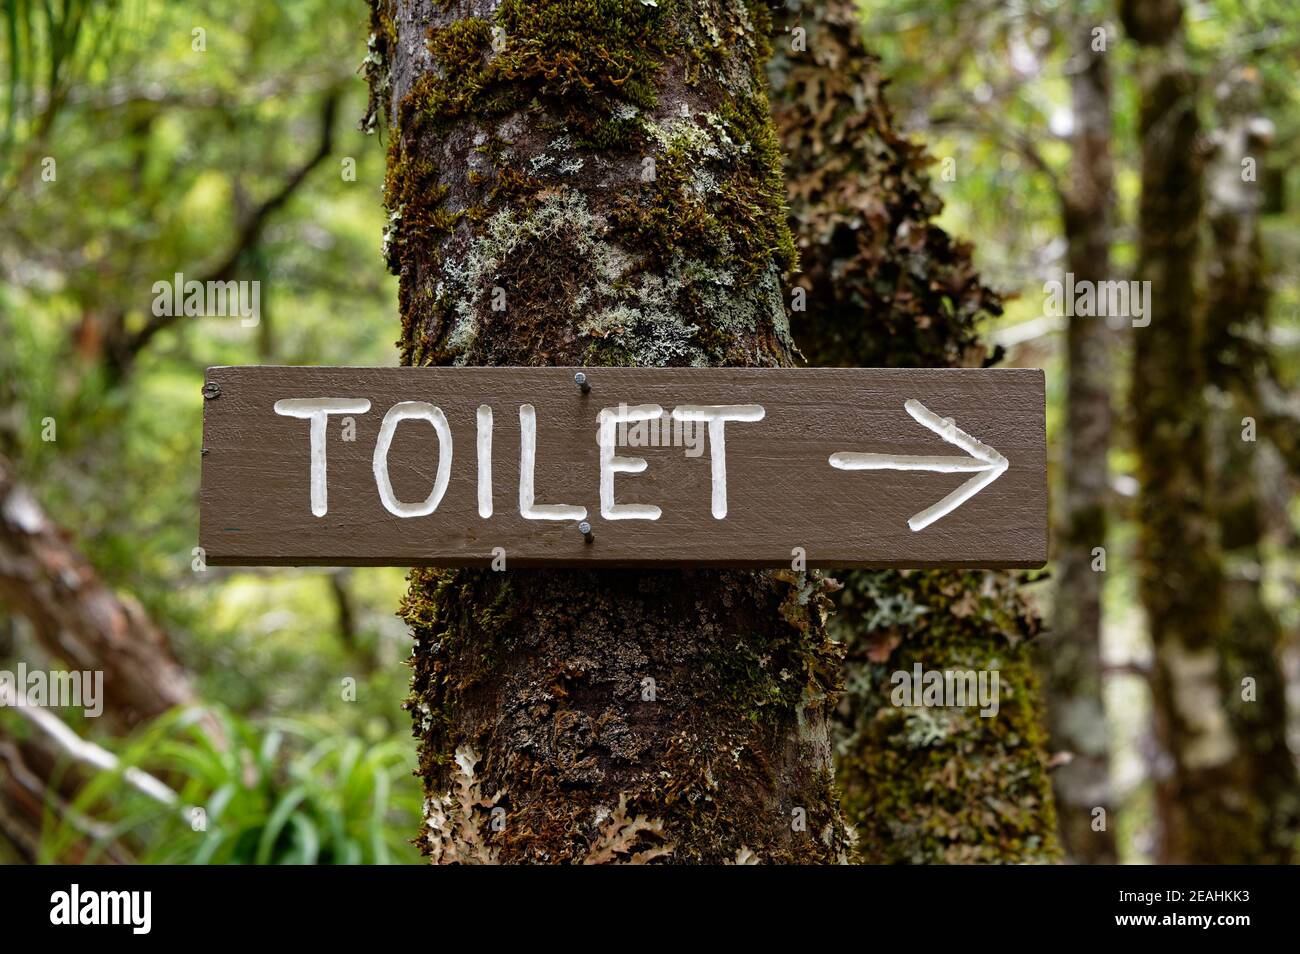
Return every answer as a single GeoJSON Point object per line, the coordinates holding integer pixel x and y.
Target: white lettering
{"type": "Point", "coordinates": [418, 411]}
{"type": "Point", "coordinates": [717, 416]}
{"type": "Point", "coordinates": [611, 419]}
{"type": "Point", "coordinates": [318, 410]}
{"type": "Point", "coordinates": [527, 469]}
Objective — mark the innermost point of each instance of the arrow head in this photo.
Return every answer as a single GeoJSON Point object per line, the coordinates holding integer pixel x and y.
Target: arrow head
{"type": "Point", "coordinates": [986, 463]}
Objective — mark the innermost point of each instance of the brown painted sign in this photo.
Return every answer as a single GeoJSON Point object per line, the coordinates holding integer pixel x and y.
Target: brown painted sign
{"type": "Point", "coordinates": [631, 467]}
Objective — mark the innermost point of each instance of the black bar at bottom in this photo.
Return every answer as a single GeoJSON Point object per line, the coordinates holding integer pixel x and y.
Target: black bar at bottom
{"type": "Point", "coordinates": [437, 906]}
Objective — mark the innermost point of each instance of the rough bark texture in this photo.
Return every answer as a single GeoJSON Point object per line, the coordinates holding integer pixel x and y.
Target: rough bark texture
{"type": "Point", "coordinates": [78, 619]}
{"type": "Point", "coordinates": [611, 167]}
{"type": "Point", "coordinates": [887, 287]}
{"type": "Point", "coordinates": [1199, 774]}
{"type": "Point", "coordinates": [1072, 649]}
{"type": "Point", "coordinates": [1237, 319]}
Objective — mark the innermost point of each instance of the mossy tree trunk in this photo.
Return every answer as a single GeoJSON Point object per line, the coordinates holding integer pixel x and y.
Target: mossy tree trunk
{"type": "Point", "coordinates": [887, 287]}
{"type": "Point", "coordinates": [1237, 319]}
{"type": "Point", "coordinates": [608, 172]}
{"type": "Point", "coordinates": [1200, 771]}
{"type": "Point", "coordinates": [1072, 650]}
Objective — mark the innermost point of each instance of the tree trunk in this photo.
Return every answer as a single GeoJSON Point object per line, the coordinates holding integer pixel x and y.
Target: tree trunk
{"type": "Point", "coordinates": [1237, 318]}
{"type": "Point", "coordinates": [1200, 773]}
{"type": "Point", "coordinates": [1072, 651]}
{"type": "Point", "coordinates": [77, 618]}
{"type": "Point", "coordinates": [887, 287]}
{"type": "Point", "coordinates": [84, 624]}
{"type": "Point", "coordinates": [598, 182]}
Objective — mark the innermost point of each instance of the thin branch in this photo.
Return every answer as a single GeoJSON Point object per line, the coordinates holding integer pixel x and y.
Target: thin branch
{"type": "Point", "coordinates": [29, 790]}
{"type": "Point", "coordinates": [250, 231]}
{"type": "Point", "coordinates": [88, 753]}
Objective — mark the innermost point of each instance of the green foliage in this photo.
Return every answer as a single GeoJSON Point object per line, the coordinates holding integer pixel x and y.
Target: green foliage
{"type": "Point", "coordinates": [162, 152]}
{"type": "Point", "coordinates": [46, 47]}
{"type": "Point", "coordinates": [276, 794]}
{"type": "Point", "coordinates": [717, 193]}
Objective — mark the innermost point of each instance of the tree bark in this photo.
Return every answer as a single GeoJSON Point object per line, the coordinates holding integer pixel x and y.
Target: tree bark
{"type": "Point", "coordinates": [607, 171]}
{"type": "Point", "coordinates": [885, 286]}
{"type": "Point", "coordinates": [1200, 774]}
{"type": "Point", "coordinates": [1072, 650]}
{"type": "Point", "coordinates": [1237, 318]}
{"type": "Point", "coordinates": [76, 617]}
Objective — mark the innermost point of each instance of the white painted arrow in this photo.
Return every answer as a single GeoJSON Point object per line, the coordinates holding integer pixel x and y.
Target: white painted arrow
{"type": "Point", "coordinates": [986, 463]}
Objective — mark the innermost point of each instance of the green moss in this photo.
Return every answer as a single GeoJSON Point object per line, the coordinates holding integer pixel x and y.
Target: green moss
{"type": "Point", "coordinates": [714, 193]}
{"type": "Point", "coordinates": [417, 215]}
{"type": "Point", "coordinates": [595, 53]}
{"type": "Point", "coordinates": [702, 244]}
{"type": "Point", "coordinates": [459, 49]}
{"type": "Point", "coordinates": [379, 47]}
{"type": "Point", "coordinates": [941, 785]}
{"type": "Point", "coordinates": [466, 80]}
{"type": "Point", "coordinates": [554, 54]}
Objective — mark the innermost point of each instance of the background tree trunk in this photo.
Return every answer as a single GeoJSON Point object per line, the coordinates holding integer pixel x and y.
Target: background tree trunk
{"type": "Point", "coordinates": [1237, 319]}
{"type": "Point", "coordinates": [1200, 775]}
{"type": "Point", "coordinates": [887, 287]}
{"type": "Point", "coordinates": [611, 167]}
{"type": "Point", "coordinates": [76, 617]}
{"type": "Point", "coordinates": [1072, 649]}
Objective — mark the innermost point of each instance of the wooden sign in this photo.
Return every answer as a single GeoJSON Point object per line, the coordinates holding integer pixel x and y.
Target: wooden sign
{"type": "Point", "coordinates": [631, 467]}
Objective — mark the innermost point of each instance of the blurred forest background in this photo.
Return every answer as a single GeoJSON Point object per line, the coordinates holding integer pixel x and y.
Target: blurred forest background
{"type": "Point", "coordinates": [130, 154]}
